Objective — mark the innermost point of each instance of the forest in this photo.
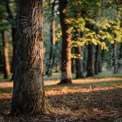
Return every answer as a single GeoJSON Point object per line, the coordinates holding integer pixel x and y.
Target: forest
{"type": "Point", "coordinates": [60, 60]}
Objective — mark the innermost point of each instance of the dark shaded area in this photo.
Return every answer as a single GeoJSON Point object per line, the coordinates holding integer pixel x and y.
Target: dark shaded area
{"type": "Point", "coordinates": [109, 102]}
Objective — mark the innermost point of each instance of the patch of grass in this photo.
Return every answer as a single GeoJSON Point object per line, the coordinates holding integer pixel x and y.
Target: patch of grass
{"type": "Point", "coordinates": [108, 74]}
{"type": "Point", "coordinates": [6, 90]}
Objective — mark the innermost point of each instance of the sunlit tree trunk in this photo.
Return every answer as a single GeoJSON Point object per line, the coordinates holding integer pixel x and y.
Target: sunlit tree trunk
{"type": "Point", "coordinates": [90, 61]}
{"type": "Point", "coordinates": [28, 92]}
{"type": "Point", "coordinates": [13, 32]}
{"type": "Point", "coordinates": [6, 55]}
{"type": "Point", "coordinates": [66, 75]}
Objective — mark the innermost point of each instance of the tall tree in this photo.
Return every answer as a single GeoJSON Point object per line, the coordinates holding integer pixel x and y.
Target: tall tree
{"type": "Point", "coordinates": [28, 92]}
{"type": "Point", "coordinates": [114, 59]}
{"type": "Point", "coordinates": [53, 39]}
{"type": "Point", "coordinates": [78, 53]}
{"type": "Point", "coordinates": [6, 55]}
{"type": "Point", "coordinates": [97, 59]}
{"type": "Point", "coordinates": [11, 20]}
{"type": "Point", "coordinates": [66, 75]}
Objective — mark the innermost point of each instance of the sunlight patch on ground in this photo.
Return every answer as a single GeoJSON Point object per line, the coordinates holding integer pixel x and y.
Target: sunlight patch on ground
{"type": "Point", "coordinates": [77, 89]}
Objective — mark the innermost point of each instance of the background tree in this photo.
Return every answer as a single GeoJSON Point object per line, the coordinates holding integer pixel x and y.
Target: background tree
{"type": "Point", "coordinates": [53, 40]}
{"type": "Point", "coordinates": [11, 19]}
{"type": "Point", "coordinates": [79, 55]}
{"type": "Point", "coordinates": [6, 55]}
{"type": "Point", "coordinates": [66, 75]}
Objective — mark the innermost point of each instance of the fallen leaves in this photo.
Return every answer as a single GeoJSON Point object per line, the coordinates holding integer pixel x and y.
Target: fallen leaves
{"type": "Point", "coordinates": [74, 103]}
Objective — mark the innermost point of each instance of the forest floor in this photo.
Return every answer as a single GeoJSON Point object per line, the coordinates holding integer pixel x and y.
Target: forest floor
{"type": "Point", "coordinates": [86, 100]}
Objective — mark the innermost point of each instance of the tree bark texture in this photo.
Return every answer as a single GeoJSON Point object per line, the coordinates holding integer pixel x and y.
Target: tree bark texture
{"type": "Point", "coordinates": [28, 92]}
{"type": "Point", "coordinates": [66, 74]}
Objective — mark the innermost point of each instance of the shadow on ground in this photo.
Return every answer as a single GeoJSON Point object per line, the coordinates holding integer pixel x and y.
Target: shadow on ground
{"type": "Point", "coordinates": [73, 103]}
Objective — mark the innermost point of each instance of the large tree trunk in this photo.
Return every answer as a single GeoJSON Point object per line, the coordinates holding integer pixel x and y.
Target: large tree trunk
{"type": "Point", "coordinates": [6, 55]}
{"type": "Point", "coordinates": [28, 92]}
{"type": "Point", "coordinates": [90, 61]}
{"type": "Point", "coordinates": [66, 75]}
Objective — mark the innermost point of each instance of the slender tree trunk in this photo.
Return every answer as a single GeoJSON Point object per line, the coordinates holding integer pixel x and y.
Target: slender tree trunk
{"type": "Point", "coordinates": [97, 59]}
{"type": "Point", "coordinates": [73, 65]}
{"type": "Point", "coordinates": [90, 61]}
{"type": "Point", "coordinates": [120, 51]}
{"type": "Point", "coordinates": [114, 58]}
{"type": "Point", "coordinates": [13, 30]}
{"type": "Point", "coordinates": [13, 38]}
{"type": "Point", "coordinates": [73, 69]}
{"type": "Point", "coordinates": [52, 33]}
{"type": "Point", "coordinates": [120, 58]}
{"type": "Point", "coordinates": [6, 55]}
{"type": "Point", "coordinates": [1, 62]}
{"type": "Point", "coordinates": [28, 92]}
{"type": "Point", "coordinates": [102, 59]}
{"type": "Point", "coordinates": [85, 58]}
{"type": "Point", "coordinates": [66, 74]}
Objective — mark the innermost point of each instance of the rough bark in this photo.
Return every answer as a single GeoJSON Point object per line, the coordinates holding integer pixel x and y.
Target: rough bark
{"type": "Point", "coordinates": [90, 61]}
{"type": "Point", "coordinates": [28, 92]}
{"type": "Point", "coordinates": [6, 55]}
{"type": "Point", "coordinates": [66, 75]}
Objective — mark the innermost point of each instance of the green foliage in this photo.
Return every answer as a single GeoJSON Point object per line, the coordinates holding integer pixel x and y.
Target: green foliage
{"type": "Point", "coordinates": [7, 19]}
{"type": "Point", "coordinates": [104, 19]}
